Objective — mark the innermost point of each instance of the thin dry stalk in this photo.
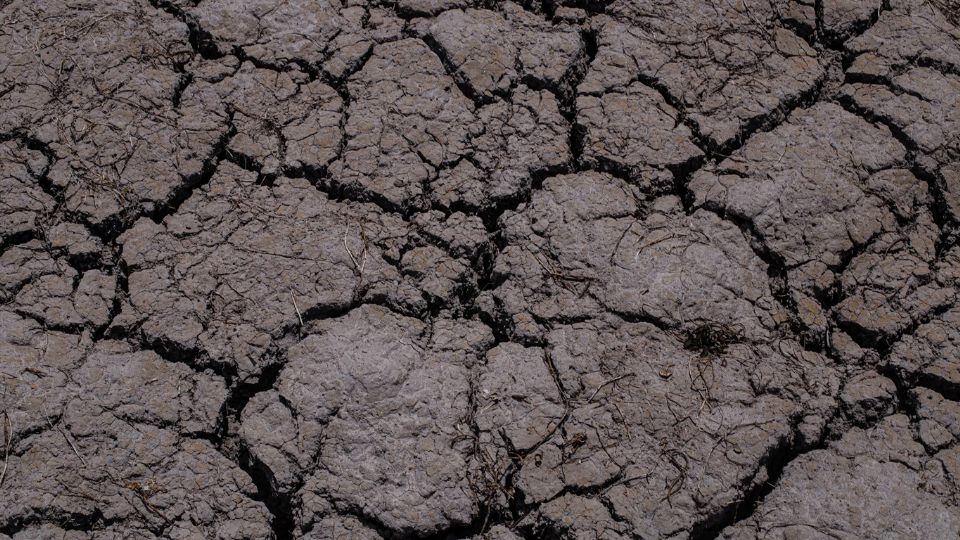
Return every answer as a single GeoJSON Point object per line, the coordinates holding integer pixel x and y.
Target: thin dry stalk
{"type": "Point", "coordinates": [296, 308]}
{"type": "Point", "coordinates": [7, 435]}
{"type": "Point", "coordinates": [70, 442]}
{"type": "Point", "coordinates": [608, 383]}
{"type": "Point", "coordinates": [358, 260]}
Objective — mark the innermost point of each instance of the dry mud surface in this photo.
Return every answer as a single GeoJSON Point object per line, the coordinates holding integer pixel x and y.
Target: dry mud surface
{"type": "Point", "coordinates": [628, 269]}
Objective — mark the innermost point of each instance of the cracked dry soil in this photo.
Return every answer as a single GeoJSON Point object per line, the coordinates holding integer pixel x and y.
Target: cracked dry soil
{"type": "Point", "coordinates": [436, 269]}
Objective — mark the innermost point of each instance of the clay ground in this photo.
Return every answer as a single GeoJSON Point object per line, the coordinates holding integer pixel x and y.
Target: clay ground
{"type": "Point", "coordinates": [628, 269]}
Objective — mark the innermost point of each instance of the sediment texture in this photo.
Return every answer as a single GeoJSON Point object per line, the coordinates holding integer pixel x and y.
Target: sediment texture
{"type": "Point", "coordinates": [612, 269]}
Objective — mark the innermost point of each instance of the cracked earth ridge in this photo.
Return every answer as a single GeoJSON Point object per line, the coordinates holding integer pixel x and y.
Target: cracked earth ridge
{"type": "Point", "coordinates": [611, 269]}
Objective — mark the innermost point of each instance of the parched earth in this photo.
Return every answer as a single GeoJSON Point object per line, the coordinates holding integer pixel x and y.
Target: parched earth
{"type": "Point", "coordinates": [436, 269]}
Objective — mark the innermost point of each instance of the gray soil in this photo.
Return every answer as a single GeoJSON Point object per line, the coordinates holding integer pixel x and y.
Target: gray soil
{"type": "Point", "coordinates": [437, 269]}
